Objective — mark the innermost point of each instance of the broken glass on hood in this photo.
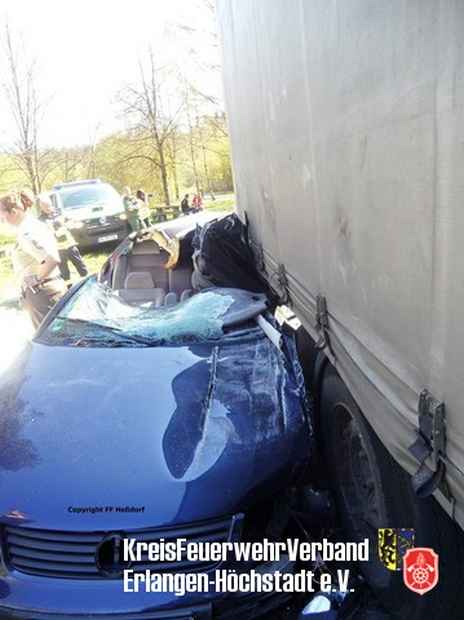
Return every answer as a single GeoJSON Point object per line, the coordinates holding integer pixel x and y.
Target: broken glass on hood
{"type": "Point", "coordinates": [97, 315]}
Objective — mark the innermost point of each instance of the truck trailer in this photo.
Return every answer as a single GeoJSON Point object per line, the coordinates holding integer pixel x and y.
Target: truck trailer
{"type": "Point", "coordinates": [346, 122]}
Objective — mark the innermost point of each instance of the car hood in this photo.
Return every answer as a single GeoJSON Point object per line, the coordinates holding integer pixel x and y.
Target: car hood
{"type": "Point", "coordinates": [87, 212]}
{"type": "Point", "coordinates": [145, 436]}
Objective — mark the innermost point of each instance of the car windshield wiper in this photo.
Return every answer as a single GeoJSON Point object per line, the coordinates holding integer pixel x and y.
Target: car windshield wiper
{"type": "Point", "coordinates": [116, 331]}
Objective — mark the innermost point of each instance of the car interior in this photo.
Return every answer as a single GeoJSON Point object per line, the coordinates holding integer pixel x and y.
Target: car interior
{"type": "Point", "coordinates": [141, 276]}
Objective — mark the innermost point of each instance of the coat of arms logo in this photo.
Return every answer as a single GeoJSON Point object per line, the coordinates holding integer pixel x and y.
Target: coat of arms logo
{"type": "Point", "coordinates": [393, 544]}
{"type": "Point", "coordinates": [420, 569]}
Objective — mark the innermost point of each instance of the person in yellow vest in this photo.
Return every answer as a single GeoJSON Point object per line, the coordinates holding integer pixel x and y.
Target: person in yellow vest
{"type": "Point", "coordinates": [67, 246]}
{"type": "Point", "coordinates": [144, 209]}
{"type": "Point", "coordinates": [131, 207]}
{"type": "Point", "coordinates": [35, 256]}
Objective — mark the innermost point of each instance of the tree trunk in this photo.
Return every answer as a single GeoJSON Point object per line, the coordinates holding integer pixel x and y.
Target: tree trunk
{"type": "Point", "coordinates": [174, 167]}
{"type": "Point", "coordinates": [192, 151]}
{"type": "Point", "coordinates": [205, 164]}
{"type": "Point", "coordinates": [175, 179]}
{"type": "Point", "coordinates": [66, 167]}
{"type": "Point", "coordinates": [31, 174]}
{"type": "Point", "coordinates": [163, 173]}
{"type": "Point", "coordinates": [205, 168]}
{"type": "Point", "coordinates": [92, 166]}
{"type": "Point", "coordinates": [194, 164]}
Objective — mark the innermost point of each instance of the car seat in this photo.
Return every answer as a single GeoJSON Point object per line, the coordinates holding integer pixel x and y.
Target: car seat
{"type": "Point", "coordinates": [139, 286]}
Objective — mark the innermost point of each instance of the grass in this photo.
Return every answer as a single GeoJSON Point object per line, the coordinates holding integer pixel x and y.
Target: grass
{"type": "Point", "coordinates": [222, 203]}
{"type": "Point", "coordinates": [6, 240]}
{"type": "Point", "coordinates": [94, 261]}
{"type": "Point", "coordinates": [8, 285]}
{"type": "Point", "coordinates": [7, 280]}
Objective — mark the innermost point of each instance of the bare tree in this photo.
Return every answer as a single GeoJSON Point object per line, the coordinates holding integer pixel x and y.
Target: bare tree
{"type": "Point", "coordinates": [191, 139]}
{"type": "Point", "coordinates": [201, 49]}
{"type": "Point", "coordinates": [20, 90]}
{"type": "Point", "coordinates": [153, 123]}
{"type": "Point", "coordinates": [91, 152]}
{"type": "Point", "coordinates": [201, 139]}
{"type": "Point", "coordinates": [172, 154]}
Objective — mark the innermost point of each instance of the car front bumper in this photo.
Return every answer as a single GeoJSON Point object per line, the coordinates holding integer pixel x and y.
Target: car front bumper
{"type": "Point", "coordinates": [27, 597]}
{"type": "Point", "coordinates": [94, 235]}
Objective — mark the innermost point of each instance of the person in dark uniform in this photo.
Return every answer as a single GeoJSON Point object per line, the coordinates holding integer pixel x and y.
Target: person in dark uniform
{"type": "Point", "coordinates": [184, 205]}
{"type": "Point", "coordinates": [67, 246]}
{"type": "Point", "coordinates": [35, 256]}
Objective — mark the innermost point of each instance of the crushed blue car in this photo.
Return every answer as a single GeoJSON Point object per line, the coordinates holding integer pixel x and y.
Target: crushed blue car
{"type": "Point", "coordinates": [146, 407]}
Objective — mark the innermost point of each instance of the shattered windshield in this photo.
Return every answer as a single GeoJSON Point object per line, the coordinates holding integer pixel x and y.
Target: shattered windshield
{"type": "Point", "coordinates": [97, 316]}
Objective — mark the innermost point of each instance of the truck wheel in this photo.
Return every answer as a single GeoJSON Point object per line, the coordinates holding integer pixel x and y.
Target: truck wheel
{"type": "Point", "coordinates": [372, 491]}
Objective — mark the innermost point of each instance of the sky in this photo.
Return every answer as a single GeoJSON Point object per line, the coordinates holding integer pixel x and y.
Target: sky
{"type": "Point", "coordinates": [88, 50]}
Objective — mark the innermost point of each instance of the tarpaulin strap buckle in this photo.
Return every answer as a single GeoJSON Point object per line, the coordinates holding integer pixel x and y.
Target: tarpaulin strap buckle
{"type": "Point", "coordinates": [430, 444]}
{"type": "Point", "coordinates": [256, 248]}
{"type": "Point", "coordinates": [322, 323]}
{"type": "Point", "coordinates": [282, 280]}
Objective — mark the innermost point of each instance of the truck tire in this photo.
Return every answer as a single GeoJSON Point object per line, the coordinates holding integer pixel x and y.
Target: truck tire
{"type": "Point", "coordinates": [371, 491]}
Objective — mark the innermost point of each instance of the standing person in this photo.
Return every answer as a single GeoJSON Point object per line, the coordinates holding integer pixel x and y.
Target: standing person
{"type": "Point", "coordinates": [35, 256]}
{"type": "Point", "coordinates": [144, 211]}
{"type": "Point", "coordinates": [184, 205]}
{"type": "Point", "coordinates": [67, 246]}
{"type": "Point", "coordinates": [131, 208]}
{"type": "Point", "coordinates": [197, 202]}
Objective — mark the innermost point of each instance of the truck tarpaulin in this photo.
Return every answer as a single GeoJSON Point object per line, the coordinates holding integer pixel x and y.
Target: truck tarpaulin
{"type": "Point", "coordinates": [368, 185]}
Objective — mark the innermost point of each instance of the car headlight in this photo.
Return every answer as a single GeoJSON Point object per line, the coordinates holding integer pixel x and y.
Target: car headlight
{"type": "Point", "coordinates": [74, 225]}
{"type": "Point", "coordinates": [123, 216]}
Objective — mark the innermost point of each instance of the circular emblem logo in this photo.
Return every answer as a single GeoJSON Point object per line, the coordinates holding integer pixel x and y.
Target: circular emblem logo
{"type": "Point", "coordinates": [102, 220]}
{"type": "Point", "coordinates": [109, 556]}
